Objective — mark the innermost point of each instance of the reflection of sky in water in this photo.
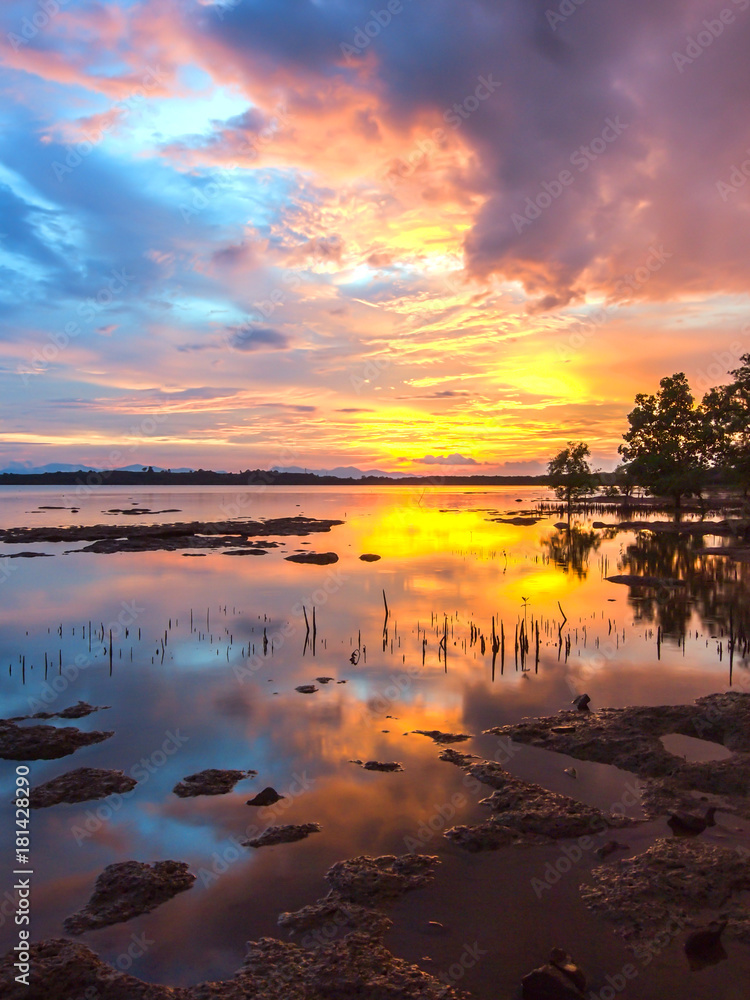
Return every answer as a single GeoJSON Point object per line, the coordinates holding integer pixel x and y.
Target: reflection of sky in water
{"type": "Point", "coordinates": [442, 556]}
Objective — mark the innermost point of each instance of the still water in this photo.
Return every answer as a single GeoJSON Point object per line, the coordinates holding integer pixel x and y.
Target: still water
{"type": "Point", "coordinates": [190, 686]}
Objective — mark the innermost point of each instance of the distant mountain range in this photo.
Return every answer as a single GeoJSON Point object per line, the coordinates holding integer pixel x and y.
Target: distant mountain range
{"type": "Point", "coordinates": [342, 472]}
{"type": "Point", "coordinates": [26, 468]}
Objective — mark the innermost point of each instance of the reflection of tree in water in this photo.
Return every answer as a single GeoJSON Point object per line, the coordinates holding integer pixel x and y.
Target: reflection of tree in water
{"type": "Point", "coordinates": [570, 548]}
{"type": "Point", "coordinates": [716, 589]}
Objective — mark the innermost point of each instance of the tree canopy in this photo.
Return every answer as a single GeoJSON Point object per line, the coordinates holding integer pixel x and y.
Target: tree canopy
{"type": "Point", "coordinates": [570, 473]}
{"type": "Point", "coordinates": [666, 447]}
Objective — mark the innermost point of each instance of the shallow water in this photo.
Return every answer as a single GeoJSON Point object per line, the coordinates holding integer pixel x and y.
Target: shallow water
{"type": "Point", "coordinates": [213, 696]}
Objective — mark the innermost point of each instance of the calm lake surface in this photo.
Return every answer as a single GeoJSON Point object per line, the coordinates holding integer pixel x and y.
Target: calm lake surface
{"type": "Point", "coordinates": [217, 700]}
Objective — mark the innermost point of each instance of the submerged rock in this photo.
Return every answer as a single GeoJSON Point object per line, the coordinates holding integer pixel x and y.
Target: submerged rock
{"type": "Point", "coordinates": [306, 689]}
{"type": "Point", "coordinates": [459, 759]}
{"type": "Point", "coordinates": [631, 580]}
{"type": "Point", "coordinates": [267, 797]}
{"type": "Point", "coordinates": [127, 889]}
{"type": "Point", "coordinates": [369, 557]}
{"type": "Point", "coordinates": [318, 558]}
{"type": "Point", "coordinates": [672, 884]}
{"type": "Point", "coordinates": [210, 782]}
{"type": "Point", "coordinates": [629, 738]}
{"type": "Point", "coordinates": [169, 537]}
{"type": "Point", "coordinates": [43, 742]}
{"type": "Point", "coordinates": [373, 881]}
{"type": "Point", "coordinates": [357, 966]}
{"type": "Point", "coordinates": [81, 785]}
{"type": "Point", "coordinates": [282, 835]}
{"type": "Point", "coordinates": [524, 813]}
{"type": "Point", "coordinates": [77, 711]}
{"type": "Point", "coordinates": [333, 911]}
{"type": "Point", "coordinates": [549, 983]}
{"type": "Point", "coordinates": [442, 738]}
{"type": "Point", "coordinates": [381, 765]}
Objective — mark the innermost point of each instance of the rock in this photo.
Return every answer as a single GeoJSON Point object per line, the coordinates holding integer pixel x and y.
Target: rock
{"type": "Point", "coordinates": [549, 983]}
{"type": "Point", "coordinates": [81, 785]}
{"type": "Point", "coordinates": [688, 824]}
{"type": "Point", "coordinates": [369, 557]}
{"type": "Point", "coordinates": [524, 813]}
{"type": "Point", "coordinates": [43, 742]}
{"type": "Point", "coordinates": [77, 711]}
{"type": "Point", "coordinates": [610, 847]}
{"type": "Point", "coordinates": [334, 912]}
{"type": "Point", "coordinates": [245, 552]}
{"type": "Point", "coordinates": [61, 969]}
{"type": "Point", "coordinates": [127, 889]}
{"type": "Point", "coordinates": [562, 961]}
{"type": "Point", "coordinates": [520, 522]}
{"type": "Point", "coordinates": [442, 738]}
{"type": "Point", "coordinates": [370, 881]}
{"type": "Point", "coordinates": [379, 765]}
{"type": "Point", "coordinates": [265, 798]}
{"type": "Point", "coordinates": [318, 558]}
{"type": "Point", "coordinates": [705, 937]}
{"type": "Point", "coordinates": [210, 782]}
{"type": "Point", "coordinates": [672, 884]}
{"type": "Point", "coordinates": [357, 966]}
{"type": "Point", "coordinates": [324, 680]}
{"type": "Point", "coordinates": [282, 835]}
{"type": "Point", "coordinates": [459, 759]}
{"type": "Point", "coordinates": [571, 772]}
{"type": "Point", "coordinates": [169, 537]}
{"type": "Point", "coordinates": [307, 689]}
{"type": "Point", "coordinates": [629, 738]}
{"type": "Point", "coordinates": [582, 702]}
{"type": "Point", "coordinates": [29, 555]}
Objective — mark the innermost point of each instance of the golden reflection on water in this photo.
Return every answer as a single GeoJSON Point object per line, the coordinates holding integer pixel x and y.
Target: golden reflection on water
{"type": "Point", "coordinates": [446, 565]}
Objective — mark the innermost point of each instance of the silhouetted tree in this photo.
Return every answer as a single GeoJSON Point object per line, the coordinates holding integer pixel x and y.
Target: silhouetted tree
{"type": "Point", "coordinates": [570, 475]}
{"type": "Point", "coordinates": [666, 448]}
{"type": "Point", "coordinates": [727, 409]}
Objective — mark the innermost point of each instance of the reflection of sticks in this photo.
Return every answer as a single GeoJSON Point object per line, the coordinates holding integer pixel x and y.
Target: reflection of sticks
{"type": "Point", "coordinates": [385, 623]}
{"type": "Point", "coordinates": [307, 630]}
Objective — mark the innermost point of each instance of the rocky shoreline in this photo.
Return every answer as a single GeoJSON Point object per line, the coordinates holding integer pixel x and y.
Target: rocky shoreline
{"type": "Point", "coordinates": [695, 886]}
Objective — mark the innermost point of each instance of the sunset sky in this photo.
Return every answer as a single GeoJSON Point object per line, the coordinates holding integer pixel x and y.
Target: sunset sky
{"type": "Point", "coordinates": [411, 236]}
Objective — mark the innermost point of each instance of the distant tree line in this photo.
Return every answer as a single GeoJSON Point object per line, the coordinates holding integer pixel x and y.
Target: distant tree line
{"type": "Point", "coordinates": [674, 446]}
